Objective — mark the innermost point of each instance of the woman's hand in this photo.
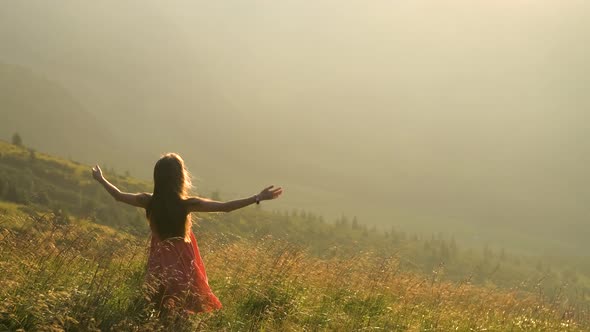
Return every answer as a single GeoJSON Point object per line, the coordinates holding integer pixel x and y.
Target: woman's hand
{"type": "Point", "coordinates": [270, 193]}
{"type": "Point", "coordinates": [97, 173]}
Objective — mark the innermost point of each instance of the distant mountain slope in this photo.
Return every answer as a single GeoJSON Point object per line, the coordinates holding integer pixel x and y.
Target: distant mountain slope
{"type": "Point", "coordinates": [49, 118]}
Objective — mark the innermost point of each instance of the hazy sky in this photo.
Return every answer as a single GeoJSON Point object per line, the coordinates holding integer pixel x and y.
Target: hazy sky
{"type": "Point", "coordinates": [407, 112]}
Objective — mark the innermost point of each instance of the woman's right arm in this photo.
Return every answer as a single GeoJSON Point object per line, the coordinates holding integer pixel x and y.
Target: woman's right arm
{"type": "Point", "coordinates": [139, 199]}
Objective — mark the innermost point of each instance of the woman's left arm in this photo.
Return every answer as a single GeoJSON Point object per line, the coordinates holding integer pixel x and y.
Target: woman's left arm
{"type": "Point", "coordinates": [198, 204]}
{"type": "Point", "coordinates": [139, 199]}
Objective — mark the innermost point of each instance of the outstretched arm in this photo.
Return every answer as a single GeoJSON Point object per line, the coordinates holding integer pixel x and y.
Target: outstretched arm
{"type": "Point", "coordinates": [198, 204]}
{"type": "Point", "coordinates": [139, 199]}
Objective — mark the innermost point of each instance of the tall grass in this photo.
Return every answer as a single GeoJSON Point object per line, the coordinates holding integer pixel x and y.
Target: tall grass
{"type": "Point", "coordinates": [80, 277]}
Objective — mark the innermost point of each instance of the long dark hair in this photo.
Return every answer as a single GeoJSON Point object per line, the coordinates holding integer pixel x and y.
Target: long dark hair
{"type": "Point", "coordinates": [166, 212]}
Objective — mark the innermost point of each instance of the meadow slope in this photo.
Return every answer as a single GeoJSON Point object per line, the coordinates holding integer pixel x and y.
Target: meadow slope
{"type": "Point", "coordinates": [71, 259]}
{"type": "Point", "coordinates": [80, 276]}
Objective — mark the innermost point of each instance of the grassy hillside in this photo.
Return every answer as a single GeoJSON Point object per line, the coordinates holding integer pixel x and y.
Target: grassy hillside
{"type": "Point", "coordinates": [42, 182]}
{"type": "Point", "coordinates": [84, 277]}
{"type": "Point", "coordinates": [74, 259]}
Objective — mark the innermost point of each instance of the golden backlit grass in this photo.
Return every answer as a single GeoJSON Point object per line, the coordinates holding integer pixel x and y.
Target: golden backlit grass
{"type": "Point", "coordinates": [75, 276]}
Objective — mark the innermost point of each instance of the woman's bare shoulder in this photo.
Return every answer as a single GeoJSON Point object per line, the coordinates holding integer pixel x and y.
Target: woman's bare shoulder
{"type": "Point", "coordinates": [192, 200]}
{"type": "Point", "coordinates": [193, 203]}
{"type": "Point", "coordinates": [144, 198]}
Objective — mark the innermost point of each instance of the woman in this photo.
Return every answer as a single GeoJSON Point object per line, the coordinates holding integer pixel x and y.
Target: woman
{"type": "Point", "coordinates": [176, 275]}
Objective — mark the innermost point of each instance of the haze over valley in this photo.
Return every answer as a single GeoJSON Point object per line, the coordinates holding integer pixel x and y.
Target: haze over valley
{"type": "Point", "coordinates": [467, 118]}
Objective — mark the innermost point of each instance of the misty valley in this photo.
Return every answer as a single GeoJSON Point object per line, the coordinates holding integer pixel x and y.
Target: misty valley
{"type": "Point", "coordinates": [433, 157]}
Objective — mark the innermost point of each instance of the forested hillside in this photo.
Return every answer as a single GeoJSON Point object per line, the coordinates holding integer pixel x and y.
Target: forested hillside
{"type": "Point", "coordinates": [40, 182]}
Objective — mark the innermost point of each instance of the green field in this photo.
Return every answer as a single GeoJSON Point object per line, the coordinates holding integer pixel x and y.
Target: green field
{"type": "Point", "coordinates": [73, 259]}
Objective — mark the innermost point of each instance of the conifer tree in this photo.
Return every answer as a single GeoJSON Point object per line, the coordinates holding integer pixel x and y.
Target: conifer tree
{"type": "Point", "coordinates": [355, 223]}
{"type": "Point", "coordinates": [17, 140]}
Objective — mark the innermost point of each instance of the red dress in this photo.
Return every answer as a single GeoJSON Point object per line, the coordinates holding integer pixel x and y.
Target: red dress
{"type": "Point", "coordinates": [176, 275]}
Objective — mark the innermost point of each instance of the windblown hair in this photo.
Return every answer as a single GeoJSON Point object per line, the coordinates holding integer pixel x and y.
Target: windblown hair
{"type": "Point", "coordinates": [166, 212]}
